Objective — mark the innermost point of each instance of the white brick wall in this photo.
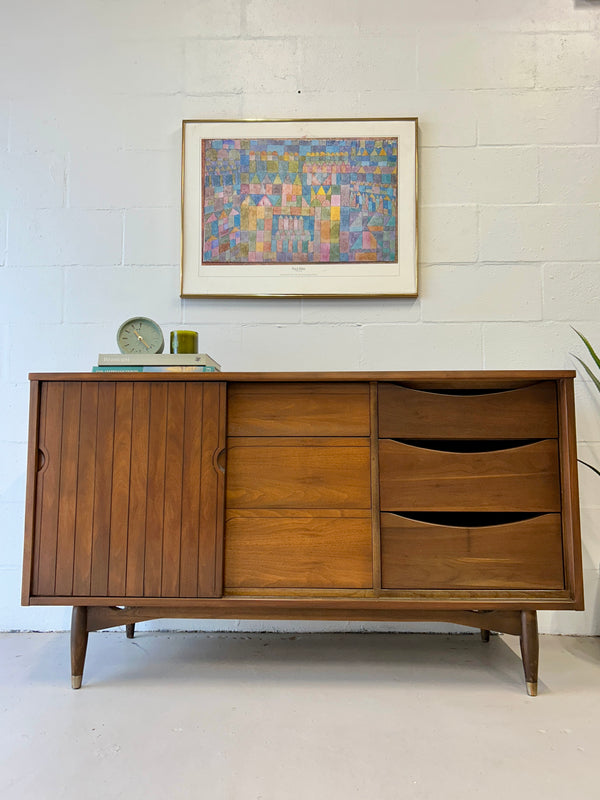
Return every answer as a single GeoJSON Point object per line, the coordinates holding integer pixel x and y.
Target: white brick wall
{"type": "Point", "coordinates": [3, 374]}
{"type": "Point", "coordinates": [64, 236]}
{"type": "Point", "coordinates": [448, 234]}
{"type": "Point", "coordinates": [32, 181]}
{"type": "Point", "coordinates": [151, 236]}
{"type": "Point", "coordinates": [476, 60]}
{"type": "Point", "coordinates": [561, 116]}
{"type": "Point", "coordinates": [568, 61]}
{"type": "Point", "coordinates": [4, 122]}
{"type": "Point", "coordinates": [480, 292]}
{"type": "Point", "coordinates": [386, 62]}
{"type": "Point", "coordinates": [528, 345]}
{"type": "Point", "coordinates": [572, 292]}
{"type": "Point", "coordinates": [426, 346]}
{"type": "Point", "coordinates": [569, 174]}
{"type": "Point", "coordinates": [540, 232]}
{"type": "Point", "coordinates": [479, 174]}
{"type": "Point", "coordinates": [232, 66]}
{"type": "Point", "coordinates": [121, 290]}
{"type": "Point", "coordinates": [30, 296]}
{"type": "Point", "coordinates": [124, 179]}
{"type": "Point", "coordinates": [2, 238]}
{"type": "Point", "coordinates": [91, 101]}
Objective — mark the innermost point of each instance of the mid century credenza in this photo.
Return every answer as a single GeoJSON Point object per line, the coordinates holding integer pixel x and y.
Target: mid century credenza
{"type": "Point", "coordinates": [447, 496]}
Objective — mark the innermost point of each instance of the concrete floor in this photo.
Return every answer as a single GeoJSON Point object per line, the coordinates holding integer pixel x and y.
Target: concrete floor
{"type": "Point", "coordinates": [298, 717]}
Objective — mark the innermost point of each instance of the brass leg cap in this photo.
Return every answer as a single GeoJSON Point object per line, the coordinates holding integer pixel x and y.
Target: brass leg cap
{"type": "Point", "coordinates": [76, 681]}
{"type": "Point", "coordinates": [532, 688]}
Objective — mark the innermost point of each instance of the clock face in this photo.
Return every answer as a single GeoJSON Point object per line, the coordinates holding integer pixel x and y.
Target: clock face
{"type": "Point", "coordinates": [140, 335]}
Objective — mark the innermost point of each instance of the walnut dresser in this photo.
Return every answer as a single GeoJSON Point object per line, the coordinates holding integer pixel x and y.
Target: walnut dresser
{"type": "Point", "coordinates": [446, 496]}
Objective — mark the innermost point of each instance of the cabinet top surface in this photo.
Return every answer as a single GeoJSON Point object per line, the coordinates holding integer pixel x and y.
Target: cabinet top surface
{"type": "Point", "coordinates": [403, 376]}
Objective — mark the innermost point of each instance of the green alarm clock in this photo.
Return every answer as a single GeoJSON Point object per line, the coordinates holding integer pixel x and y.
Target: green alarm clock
{"type": "Point", "coordinates": [140, 335]}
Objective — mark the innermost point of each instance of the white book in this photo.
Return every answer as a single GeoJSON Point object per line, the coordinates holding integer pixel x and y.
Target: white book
{"type": "Point", "coordinates": [157, 360]}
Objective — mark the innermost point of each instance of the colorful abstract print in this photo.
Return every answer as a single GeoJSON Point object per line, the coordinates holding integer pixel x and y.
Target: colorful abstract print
{"type": "Point", "coordinates": [326, 201]}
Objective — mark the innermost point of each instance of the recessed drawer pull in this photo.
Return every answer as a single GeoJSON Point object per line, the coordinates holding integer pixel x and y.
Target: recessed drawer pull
{"type": "Point", "coordinates": [466, 519]}
{"type": "Point", "coordinates": [479, 392]}
{"type": "Point", "coordinates": [467, 445]}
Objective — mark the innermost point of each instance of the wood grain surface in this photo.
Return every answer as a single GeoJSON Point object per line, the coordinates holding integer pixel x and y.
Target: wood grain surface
{"type": "Point", "coordinates": [519, 555]}
{"type": "Point", "coordinates": [528, 412]}
{"type": "Point", "coordinates": [516, 479]}
{"type": "Point", "coordinates": [298, 552]}
{"type": "Point", "coordinates": [298, 473]}
{"type": "Point", "coordinates": [128, 499]}
{"type": "Point", "coordinates": [126, 492]}
{"type": "Point", "coordinates": [298, 409]}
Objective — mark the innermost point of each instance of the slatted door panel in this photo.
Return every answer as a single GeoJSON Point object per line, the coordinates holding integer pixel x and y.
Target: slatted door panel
{"type": "Point", "coordinates": [129, 498]}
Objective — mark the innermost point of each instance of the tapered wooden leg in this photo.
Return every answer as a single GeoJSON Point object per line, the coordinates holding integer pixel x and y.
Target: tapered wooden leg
{"type": "Point", "coordinates": [485, 635]}
{"type": "Point", "coordinates": [530, 650]}
{"type": "Point", "coordinates": [130, 630]}
{"type": "Point", "coordinates": [79, 638]}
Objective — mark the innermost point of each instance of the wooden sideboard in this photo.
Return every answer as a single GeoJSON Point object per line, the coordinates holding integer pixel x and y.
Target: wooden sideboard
{"type": "Point", "coordinates": [446, 496]}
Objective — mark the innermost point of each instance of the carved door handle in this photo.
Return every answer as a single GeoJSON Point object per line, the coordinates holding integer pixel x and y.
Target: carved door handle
{"type": "Point", "coordinates": [220, 460]}
{"type": "Point", "coordinates": [42, 459]}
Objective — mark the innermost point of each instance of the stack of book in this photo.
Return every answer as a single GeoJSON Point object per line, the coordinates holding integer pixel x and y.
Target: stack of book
{"type": "Point", "coordinates": [158, 362]}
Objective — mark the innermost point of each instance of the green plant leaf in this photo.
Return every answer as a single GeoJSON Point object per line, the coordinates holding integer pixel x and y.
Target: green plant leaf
{"type": "Point", "coordinates": [591, 350]}
{"type": "Point", "coordinates": [589, 372]}
{"type": "Point", "coordinates": [597, 471]}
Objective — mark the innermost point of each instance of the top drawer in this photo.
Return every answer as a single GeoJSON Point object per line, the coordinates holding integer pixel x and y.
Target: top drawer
{"type": "Point", "coordinates": [525, 413]}
{"type": "Point", "coordinates": [298, 409]}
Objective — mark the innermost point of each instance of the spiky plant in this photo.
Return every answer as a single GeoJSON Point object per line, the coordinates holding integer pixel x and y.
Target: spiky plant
{"type": "Point", "coordinates": [594, 378]}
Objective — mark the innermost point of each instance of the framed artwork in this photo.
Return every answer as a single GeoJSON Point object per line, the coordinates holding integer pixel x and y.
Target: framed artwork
{"type": "Point", "coordinates": [290, 208]}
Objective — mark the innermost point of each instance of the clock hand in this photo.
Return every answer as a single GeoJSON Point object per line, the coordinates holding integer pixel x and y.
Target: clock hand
{"type": "Point", "coordinates": [142, 340]}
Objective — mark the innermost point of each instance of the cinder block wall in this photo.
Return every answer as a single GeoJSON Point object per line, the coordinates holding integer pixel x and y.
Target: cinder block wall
{"type": "Point", "coordinates": [92, 95]}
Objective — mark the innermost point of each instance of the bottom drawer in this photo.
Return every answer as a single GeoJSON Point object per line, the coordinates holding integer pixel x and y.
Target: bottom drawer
{"type": "Point", "coordinates": [306, 551]}
{"type": "Point", "coordinates": [428, 555]}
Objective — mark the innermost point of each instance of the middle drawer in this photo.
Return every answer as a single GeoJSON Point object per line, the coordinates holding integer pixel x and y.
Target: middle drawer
{"type": "Point", "coordinates": [522, 478]}
{"type": "Point", "coordinates": [298, 472]}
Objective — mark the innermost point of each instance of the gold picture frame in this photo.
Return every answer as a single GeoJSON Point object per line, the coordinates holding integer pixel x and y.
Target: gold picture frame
{"type": "Point", "coordinates": [299, 208]}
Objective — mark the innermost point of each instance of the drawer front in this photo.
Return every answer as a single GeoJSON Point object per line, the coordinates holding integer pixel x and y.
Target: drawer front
{"type": "Point", "coordinates": [303, 552]}
{"type": "Point", "coordinates": [298, 473]}
{"type": "Point", "coordinates": [524, 478]}
{"type": "Point", "coordinates": [518, 555]}
{"type": "Point", "coordinates": [524, 413]}
{"type": "Point", "coordinates": [298, 409]}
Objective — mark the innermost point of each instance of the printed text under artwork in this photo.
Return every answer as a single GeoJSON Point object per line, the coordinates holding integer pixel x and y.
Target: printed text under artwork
{"type": "Point", "coordinates": [323, 201]}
